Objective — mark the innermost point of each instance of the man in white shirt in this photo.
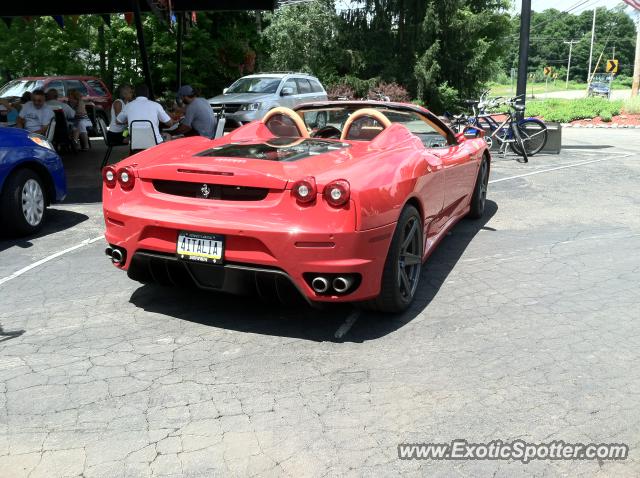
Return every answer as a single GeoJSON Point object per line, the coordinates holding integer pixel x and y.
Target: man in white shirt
{"type": "Point", "coordinates": [142, 108]}
{"type": "Point", "coordinates": [55, 104]}
{"type": "Point", "coordinates": [35, 115]}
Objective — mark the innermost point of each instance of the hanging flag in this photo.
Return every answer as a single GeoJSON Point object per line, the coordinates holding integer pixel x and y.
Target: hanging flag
{"type": "Point", "coordinates": [633, 3]}
{"type": "Point", "coordinates": [194, 18]}
{"type": "Point", "coordinates": [107, 19]}
{"type": "Point", "coordinates": [59, 20]}
{"type": "Point", "coordinates": [74, 19]}
{"type": "Point", "coordinates": [128, 17]}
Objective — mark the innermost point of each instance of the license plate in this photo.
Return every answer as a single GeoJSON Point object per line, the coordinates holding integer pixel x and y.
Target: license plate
{"type": "Point", "coordinates": [196, 247]}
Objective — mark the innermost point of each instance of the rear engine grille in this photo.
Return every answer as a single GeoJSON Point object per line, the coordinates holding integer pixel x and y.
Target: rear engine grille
{"type": "Point", "coordinates": [210, 191]}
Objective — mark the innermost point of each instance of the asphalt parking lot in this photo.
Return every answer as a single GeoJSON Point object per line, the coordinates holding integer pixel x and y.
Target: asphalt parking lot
{"type": "Point", "coordinates": [526, 326]}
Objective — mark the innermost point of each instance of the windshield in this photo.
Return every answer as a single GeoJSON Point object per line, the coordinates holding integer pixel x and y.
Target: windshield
{"type": "Point", "coordinates": [335, 117]}
{"type": "Point", "coordinates": [18, 87]}
{"type": "Point", "coordinates": [256, 84]}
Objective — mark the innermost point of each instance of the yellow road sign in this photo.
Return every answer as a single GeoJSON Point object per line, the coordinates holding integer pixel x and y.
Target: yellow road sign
{"type": "Point", "coordinates": [547, 70]}
{"type": "Point", "coordinates": [612, 66]}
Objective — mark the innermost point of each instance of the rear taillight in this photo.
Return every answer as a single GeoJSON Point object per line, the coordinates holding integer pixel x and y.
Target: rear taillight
{"type": "Point", "coordinates": [337, 193]}
{"type": "Point", "coordinates": [305, 190]}
{"type": "Point", "coordinates": [109, 176]}
{"type": "Point", "coordinates": [126, 178]}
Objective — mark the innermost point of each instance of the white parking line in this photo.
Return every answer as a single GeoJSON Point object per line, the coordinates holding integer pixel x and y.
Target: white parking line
{"type": "Point", "coordinates": [572, 165]}
{"type": "Point", "coordinates": [18, 273]}
{"type": "Point", "coordinates": [347, 324]}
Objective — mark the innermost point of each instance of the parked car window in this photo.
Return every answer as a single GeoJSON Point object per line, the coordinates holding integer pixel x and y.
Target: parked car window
{"type": "Point", "coordinates": [97, 87]}
{"type": "Point", "coordinates": [256, 84]}
{"type": "Point", "coordinates": [56, 84]}
{"type": "Point", "coordinates": [304, 86]}
{"type": "Point", "coordinates": [76, 85]}
{"type": "Point", "coordinates": [316, 87]}
{"type": "Point", "coordinates": [18, 87]}
{"type": "Point", "coordinates": [291, 83]}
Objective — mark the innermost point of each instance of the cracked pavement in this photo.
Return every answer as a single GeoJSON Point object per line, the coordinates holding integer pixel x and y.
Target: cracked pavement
{"type": "Point", "coordinates": [525, 326]}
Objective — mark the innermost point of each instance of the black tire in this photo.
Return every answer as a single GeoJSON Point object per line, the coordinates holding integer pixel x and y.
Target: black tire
{"type": "Point", "coordinates": [534, 136]}
{"type": "Point", "coordinates": [479, 197]}
{"type": "Point", "coordinates": [23, 203]}
{"type": "Point", "coordinates": [397, 294]}
{"type": "Point", "coordinates": [520, 149]}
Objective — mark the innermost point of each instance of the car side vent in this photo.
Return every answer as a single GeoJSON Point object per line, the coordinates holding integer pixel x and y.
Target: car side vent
{"type": "Point", "coordinates": [210, 191]}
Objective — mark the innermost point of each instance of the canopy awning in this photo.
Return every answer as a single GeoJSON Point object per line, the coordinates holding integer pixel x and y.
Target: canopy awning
{"type": "Point", "coordinates": [84, 7]}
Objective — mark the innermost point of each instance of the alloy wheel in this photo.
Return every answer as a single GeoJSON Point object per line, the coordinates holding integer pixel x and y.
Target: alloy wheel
{"type": "Point", "coordinates": [32, 202]}
{"type": "Point", "coordinates": [409, 259]}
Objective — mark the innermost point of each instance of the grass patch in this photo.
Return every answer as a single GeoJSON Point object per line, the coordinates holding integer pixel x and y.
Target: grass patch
{"type": "Point", "coordinates": [496, 89]}
{"type": "Point", "coordinates": [632, 106]}
{"type": "Point", "coordinates": [565, 111]}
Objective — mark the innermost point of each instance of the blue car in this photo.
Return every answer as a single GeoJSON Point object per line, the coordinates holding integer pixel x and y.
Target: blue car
{"type": "Point", "coordinates": [31, 178]}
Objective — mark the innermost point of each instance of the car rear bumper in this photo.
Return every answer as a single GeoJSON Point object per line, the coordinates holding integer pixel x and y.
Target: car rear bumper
{"type": "Point", "coordinates": [317, 243]}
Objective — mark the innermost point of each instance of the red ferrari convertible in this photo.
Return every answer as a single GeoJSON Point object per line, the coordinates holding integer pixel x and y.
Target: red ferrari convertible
{"type": "Point", "coordinates": [336, 201]}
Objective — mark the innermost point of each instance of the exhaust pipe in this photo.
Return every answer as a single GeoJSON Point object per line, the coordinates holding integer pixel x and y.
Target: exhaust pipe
{"type": "Point", "coordinates": [108, 251]}
{"type": "Point", "coordinates": [116, 256]}
{"type": "Point", "coordinates": [342, 284]}
{"type": "Point", "coordinates": [320, 285]}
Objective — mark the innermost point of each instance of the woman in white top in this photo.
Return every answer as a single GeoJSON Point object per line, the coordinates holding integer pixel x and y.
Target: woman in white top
{"type": "Point", "coordinates": [114, 134]}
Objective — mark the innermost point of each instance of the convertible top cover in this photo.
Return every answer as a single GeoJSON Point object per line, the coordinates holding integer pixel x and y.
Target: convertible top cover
{"type": "Point", "coordinates": [276, 149]}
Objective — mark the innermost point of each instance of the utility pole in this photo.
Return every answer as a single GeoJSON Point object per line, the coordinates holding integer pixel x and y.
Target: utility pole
{"type": "Point", "coordinates": [570, 42]}
{"type": "Point", "coordinates": [636, 64]}
{"type": "Point", "coordinates": [525, 25]}
{"type": "Point", "coordinates": [593, 35]}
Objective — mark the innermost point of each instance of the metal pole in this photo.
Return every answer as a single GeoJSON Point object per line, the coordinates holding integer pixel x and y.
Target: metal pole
{"type": "Point", "coordinates": [179, 50]}
{"type": "Point", "coordinates": [571, 42]}
{"type": "Point", "coordinates": [143, 47]}
{"type": "Point", "coordinates": [593, 35]}
{"type": "Point", "coordinates": [636, 64]}
{"type": "Point", "coordinates": [525, 25]}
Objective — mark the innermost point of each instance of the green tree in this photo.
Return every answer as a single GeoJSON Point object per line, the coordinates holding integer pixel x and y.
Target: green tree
{"type": "Point", "coordinates": [303, 37]}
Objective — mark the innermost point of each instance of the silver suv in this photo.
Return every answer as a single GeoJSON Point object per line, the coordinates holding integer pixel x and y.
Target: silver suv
{"type": "Point", "coordinates": [250, 97]}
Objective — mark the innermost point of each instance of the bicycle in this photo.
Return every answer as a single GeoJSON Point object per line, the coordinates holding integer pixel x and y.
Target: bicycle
{"type": "Point", "coordinates": [526, 136]}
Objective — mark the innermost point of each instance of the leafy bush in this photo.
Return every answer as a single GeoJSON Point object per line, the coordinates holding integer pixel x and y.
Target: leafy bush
{"type": "Point", "coordinates": [565, 111]}
{"type": "Point", "coordinates": [622, 81]}
{"type": "Point", "coordinates": [606, 116]}
{"type": "Point", "coordinates": [393, 91]}
{"type": "Point", "coordinates": [360, 88]}
{"type": "Point", "coordinates": [340, 91]}
{"type": "Point", "coordinates": [632, 106]}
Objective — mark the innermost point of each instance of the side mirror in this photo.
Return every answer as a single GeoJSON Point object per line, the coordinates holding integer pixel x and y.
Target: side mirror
{"type": "Point", "coordinates": [286, 91]}
{"type": "Point", "coordinates": [224, 91]}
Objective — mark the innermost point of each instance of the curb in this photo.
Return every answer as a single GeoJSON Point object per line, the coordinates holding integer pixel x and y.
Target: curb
{"type": "Point", "coordinates": [601, 125]}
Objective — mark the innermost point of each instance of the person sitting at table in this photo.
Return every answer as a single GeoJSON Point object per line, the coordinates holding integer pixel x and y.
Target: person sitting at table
{"type": "Point", "coordinates": [115, 133]}
{"type": "Point", "coordinates": [24, 99]}
{"type": "Point", "coordinates": [142, 108]}
{"type": "Point", "coordinates": [55, 104]}
{"type": "Point", "coordinates": [8, 112]}
{"type": "Point", "coordinates": [199, 118]}
{"type": "Point", "coordinates": [81, 120]}
{"type": "Point", "coordinates": [35, 115]}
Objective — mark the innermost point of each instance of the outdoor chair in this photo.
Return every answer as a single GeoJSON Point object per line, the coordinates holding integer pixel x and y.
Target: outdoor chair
{"type": "Point", "coordinates": [220, 128]}
{"type": "Point", "coordinates": [61, 134]}
{"type": "Point", "coordinates": [142, 135]}
{"type": "Point", "coordinates": [51, 130]}
{"type": "Point", "coordinates": [102, 127]}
